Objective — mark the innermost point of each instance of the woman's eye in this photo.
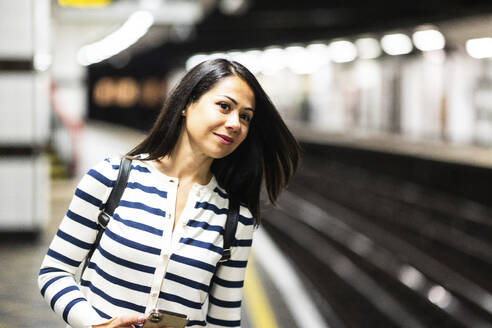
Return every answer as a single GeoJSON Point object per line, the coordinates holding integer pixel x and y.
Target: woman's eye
{"type": "Point", "coordinates": [246, 117]}
{"type": "Point", "coordinates": [224, 105]}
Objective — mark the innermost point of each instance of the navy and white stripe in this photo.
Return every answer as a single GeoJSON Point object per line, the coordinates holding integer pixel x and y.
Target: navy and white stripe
{"type": "Point", "coordinates": [139, 245]}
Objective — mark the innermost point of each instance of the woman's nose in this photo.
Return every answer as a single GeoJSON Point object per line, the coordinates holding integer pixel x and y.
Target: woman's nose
{"type": "Point", "coordinates": [233, 121]}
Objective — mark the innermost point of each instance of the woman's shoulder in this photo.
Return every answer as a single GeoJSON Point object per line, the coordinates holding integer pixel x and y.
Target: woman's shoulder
{"type": "Point", "coordinates": [105, 170]}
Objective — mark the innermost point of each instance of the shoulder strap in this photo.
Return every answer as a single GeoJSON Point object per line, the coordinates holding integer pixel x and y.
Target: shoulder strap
{"type": "Point", "coordinates": [230, 228]}
{"type": "Point", "coordinates": [116, 193]}
{"type": "Point", "coordinates": [111, 204]}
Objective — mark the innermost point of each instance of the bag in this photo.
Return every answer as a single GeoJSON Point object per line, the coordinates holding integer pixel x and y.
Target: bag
{"type": "Point", "coordinates": [115, 196]}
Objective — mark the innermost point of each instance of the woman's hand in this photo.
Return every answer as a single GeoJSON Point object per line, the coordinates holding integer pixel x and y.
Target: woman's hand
{"type": "Point", "coordinates": [124, 321]}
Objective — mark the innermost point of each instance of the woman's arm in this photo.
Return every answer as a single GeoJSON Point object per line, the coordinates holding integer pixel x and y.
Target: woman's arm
{"type": "Point", "coordinates": [70, 246]}
{"type": "Point", "coordinates": [226, 291]}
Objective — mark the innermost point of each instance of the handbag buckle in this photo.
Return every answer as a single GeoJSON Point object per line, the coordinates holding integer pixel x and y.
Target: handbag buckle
{"type": "Point", "coordinates": [103, 219]}
{"type": "Point", "coordinates": [226, 255]}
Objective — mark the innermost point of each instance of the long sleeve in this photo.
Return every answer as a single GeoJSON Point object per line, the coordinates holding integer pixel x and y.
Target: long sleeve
{"type": "Point", "coordinates": [226, 291]}
{"type": "Point", "coordinates": [70, 246]}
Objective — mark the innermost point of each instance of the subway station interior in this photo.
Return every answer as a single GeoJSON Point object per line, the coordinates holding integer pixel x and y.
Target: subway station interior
{"type": "Point", "coordinates": [388, 221]}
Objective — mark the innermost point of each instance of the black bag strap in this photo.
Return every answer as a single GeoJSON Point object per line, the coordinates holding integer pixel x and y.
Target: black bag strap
{"type": "Point", "coordinates": [230, 228]}
{"type": "Point", "coordinates": [110, 206]}
{"type": "Point", "coordinates": [116, 193]}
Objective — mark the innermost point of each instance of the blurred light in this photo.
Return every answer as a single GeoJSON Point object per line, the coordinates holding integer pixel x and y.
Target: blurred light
{"type": "Point", "coordinates": [272, 60]}
{"type": "Point", "coordinates": [195, 60]}
{"type": "Point", "coordinates": [307, 60]}
{"type": "Point", "coordinates": [127, 92]}
{"type": "Point", "coordinates": [360, 244]}
{"type": "Point", "coordinates": [428, 40]}
{"type": "Point", "coordinates": [300, 61]}
{"type": "Point", "coordinates": [486, 302]}
{"type": "Point", "coordinates": [152, 91]}
{"type": "Point", "coordinates": [233, 7]}
{"type": "Point", "coordinates": [320, 53]}
{"type": "Point", "coordinates": [250, 59]}
{"type": "Point", "coordinates": [320, 49]}
{"type": "Point", "coordinates": [104, 92]}
{"type": "Point", "coordinates": [217, 55]}
{"type": "Point", "coordinates": [479, 48]}
{"type": "Point", "coordinates": [342, 51]}
{"type": "Point", "coordinates": [130, 32]}
{"type": "Point", "coordinates": [439, 296]}
{"type": "Point", "coordinates": [42, 61]}
{"type": "Point", "coordinates": [368, 48]}
{"type": "Point", "coordinates": [411, 277]}
{"type": "Point", "coordinates": [233, 55]}
{"type": "Point", "coordinates": [396, 44]}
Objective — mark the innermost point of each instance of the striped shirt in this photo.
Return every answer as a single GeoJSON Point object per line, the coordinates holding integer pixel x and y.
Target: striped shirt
{"type": "Point", "coordinates": [140, 262]}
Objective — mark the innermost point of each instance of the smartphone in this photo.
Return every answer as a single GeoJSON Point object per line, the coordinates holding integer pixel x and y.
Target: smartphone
{"type": "Point", "coordinates": [165, 319]}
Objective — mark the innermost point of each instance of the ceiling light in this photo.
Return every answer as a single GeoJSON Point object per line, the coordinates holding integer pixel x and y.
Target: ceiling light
{"type": "Point", "coordinates": [299, 61]}
{"type": "Point", "coordinates": [130, 32]}
{"type": "Point", "coordinates": [396, 44]}
{"type": "Point", "coordinates": [479, 48]}
{"type": "Point", "coordinates": [428, 40]}
{"type": "Point", "coordinates": [272, 60]}
{"type": "Point", "coordinates": [368, 48]}
{"type": "Point", "coordinates": [342, 51]}
{"type": "Point", "coordinates": [320, 53]}
{"type": "Point", "coordinates": [250, 59]}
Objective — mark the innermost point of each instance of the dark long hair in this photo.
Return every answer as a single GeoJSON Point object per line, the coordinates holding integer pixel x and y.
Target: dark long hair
{"type": "Point", "coordinates": [269, 154]}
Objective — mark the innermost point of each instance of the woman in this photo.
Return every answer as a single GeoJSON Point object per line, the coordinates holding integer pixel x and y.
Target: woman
{"type": "Point", "coordinates": [217, 137]}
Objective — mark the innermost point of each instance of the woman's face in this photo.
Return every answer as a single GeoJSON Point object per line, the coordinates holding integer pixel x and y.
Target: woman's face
{"type": "Point", "coordinates": [219, 120]}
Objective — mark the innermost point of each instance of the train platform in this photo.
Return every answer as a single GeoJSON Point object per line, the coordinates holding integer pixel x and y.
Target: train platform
{"type": "Point", "coordinates": [364, 236]}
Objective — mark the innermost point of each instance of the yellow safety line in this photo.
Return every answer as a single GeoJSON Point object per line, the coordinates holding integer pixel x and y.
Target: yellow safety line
{"type": "Point", "coordinates": [84, 3]}
{"type": "Point", "coordinates": [259, 310]}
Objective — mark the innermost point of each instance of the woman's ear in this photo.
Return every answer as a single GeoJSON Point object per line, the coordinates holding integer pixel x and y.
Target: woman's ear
{"type": "Point", "coordinates": [185, 111]}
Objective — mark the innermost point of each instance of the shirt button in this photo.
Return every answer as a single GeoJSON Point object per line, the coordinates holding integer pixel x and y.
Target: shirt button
{"type": "Point", "coordinates": [172, 181]}
{"type": "Point", "coordinates": [153, 294]}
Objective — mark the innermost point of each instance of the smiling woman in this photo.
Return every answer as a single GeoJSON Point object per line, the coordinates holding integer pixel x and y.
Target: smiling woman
{"type": "Point", "coordinates": [217, 139]}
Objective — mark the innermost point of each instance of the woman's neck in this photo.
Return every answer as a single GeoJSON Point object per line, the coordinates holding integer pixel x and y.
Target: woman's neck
{"type": "Point", "coordinates": [185, 164]}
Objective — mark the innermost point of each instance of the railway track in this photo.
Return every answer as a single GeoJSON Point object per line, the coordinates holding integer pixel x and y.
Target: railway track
{"type": "Point", "coordinates": [386, 253]}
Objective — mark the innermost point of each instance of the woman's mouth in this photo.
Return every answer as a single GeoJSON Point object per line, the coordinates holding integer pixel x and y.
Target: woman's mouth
{"type": "Point", "coordinates": [226, 140]}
